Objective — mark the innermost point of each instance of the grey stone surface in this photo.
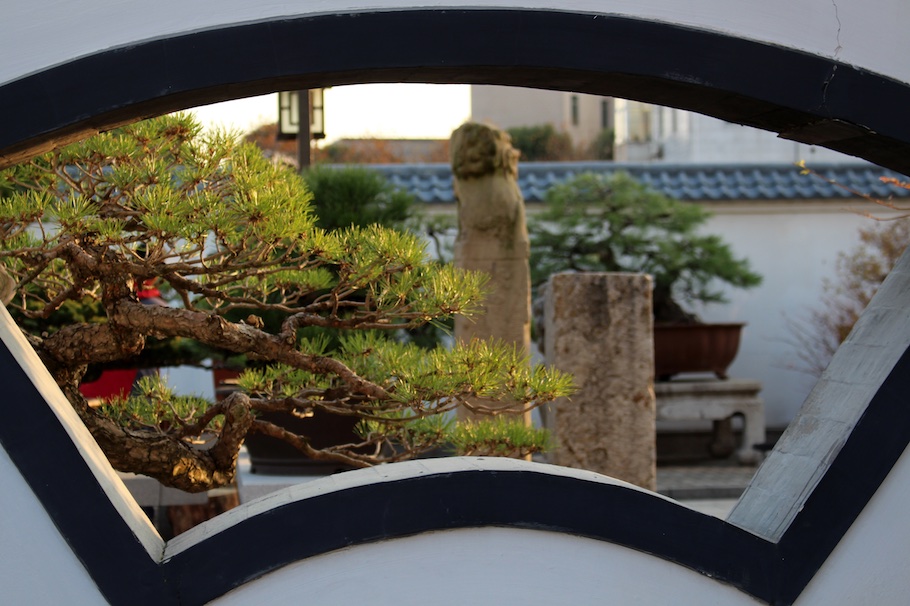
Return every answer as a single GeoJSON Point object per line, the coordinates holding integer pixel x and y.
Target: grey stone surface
{"type": "Point", "coordinates": [715, 400]}
{"type": "Point", "coordinates": [704, 481]}
{"type": "Point", "coordinates": [598, 326]}
{"type": "Point", "coordinates": [492, 234]}
{"type": "Point", "coordinates": [492, 237]}
{"type": "Point", "coordinates": [803, 454]}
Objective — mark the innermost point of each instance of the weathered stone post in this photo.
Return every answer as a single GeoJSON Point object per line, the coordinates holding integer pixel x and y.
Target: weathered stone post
{"type": "Point", "coordinates": [599, 327]}
{"type": "Point", "coordinates": [492, 233]}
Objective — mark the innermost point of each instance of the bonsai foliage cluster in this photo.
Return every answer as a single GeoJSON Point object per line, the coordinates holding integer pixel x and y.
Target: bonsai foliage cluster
{"type": "Point", "coordinates": [615, 224]}
{"type": "Point", "coordinates": [230, 234]}
{"type": "Point", "coordinates": [356, 195]}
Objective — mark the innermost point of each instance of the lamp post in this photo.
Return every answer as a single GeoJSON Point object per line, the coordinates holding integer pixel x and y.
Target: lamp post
{"type": "Point", "coordinates": [291, 106]}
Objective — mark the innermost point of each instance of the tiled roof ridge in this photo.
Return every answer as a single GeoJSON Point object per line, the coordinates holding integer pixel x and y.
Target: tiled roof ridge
{"type": "Point", "coordinates": [432, 182]}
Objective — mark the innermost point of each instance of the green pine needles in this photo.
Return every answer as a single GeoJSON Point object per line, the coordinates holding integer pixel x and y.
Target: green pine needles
{"type": "Point", "coordinates": [230, 238]}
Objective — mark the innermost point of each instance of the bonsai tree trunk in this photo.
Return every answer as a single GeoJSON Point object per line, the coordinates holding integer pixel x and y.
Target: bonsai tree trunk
{"type": "Point", "coordinates": [668, 311]}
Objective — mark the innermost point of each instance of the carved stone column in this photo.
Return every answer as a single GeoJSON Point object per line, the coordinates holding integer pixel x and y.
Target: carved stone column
{"type": "Point", "coordinates": [492, 233]}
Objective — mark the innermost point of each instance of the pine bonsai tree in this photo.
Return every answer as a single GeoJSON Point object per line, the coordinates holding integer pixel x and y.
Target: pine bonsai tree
{"type": "Point", "coordinates": [613, 223]}
{"type": "Point", "coordinates": [224, 230]}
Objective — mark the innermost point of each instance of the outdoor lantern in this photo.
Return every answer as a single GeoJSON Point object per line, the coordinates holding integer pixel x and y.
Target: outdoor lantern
{"type": "Point", "coordinates": [289, 111]}
{"type": "Point", "coordinates": [317, 114]}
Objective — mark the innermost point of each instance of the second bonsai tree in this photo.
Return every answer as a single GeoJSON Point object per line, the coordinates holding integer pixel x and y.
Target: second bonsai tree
{"type": "Point", "coordinates": [613, 223]}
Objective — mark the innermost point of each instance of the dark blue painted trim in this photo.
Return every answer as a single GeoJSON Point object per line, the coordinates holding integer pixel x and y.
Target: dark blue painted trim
{"type": "Point", "coordinates": [513, 499]}
{"type": "Point", "coordinates": [856, 112]}
{"type": "Point", "coordinates": [55, 470]}
{"type": "Point", "coordinates": [877, 442]}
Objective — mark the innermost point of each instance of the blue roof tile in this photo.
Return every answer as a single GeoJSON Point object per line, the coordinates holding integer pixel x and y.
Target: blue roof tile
{"type": "Point", "coordinates": [432, 183]}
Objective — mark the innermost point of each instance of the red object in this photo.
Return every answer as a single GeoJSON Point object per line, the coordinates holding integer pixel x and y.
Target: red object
{"type": "Point", "coordinates": [148, 293]}
{"type": "Point", "coordinates": [110, 383]}
{"type": "Point", "coordinates": [148, 290]}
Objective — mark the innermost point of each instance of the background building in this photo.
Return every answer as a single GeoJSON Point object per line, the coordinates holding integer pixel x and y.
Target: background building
{"type": "Point", "coordinates": [651, 133]}
{"type": "Point", "coordinates": [580, 116]}
{"type": "Point", "coordinates": [642, 132]}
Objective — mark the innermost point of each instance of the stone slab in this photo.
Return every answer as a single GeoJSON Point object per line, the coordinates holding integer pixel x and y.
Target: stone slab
{"type": "Point", "coordinates": [598, 326]}
{"type": "Point", "coordinates": [716, 400]}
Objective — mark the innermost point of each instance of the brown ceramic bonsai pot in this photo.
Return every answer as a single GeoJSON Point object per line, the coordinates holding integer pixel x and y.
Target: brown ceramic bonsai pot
{"type": "Point", "coordinates": [685, 348]}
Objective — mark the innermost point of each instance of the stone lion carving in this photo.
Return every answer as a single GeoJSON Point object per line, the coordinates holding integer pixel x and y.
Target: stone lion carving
{"type": "Point", "coordinates": [490, 205]}
{"type": "Point", "coordinates": [492, 235]}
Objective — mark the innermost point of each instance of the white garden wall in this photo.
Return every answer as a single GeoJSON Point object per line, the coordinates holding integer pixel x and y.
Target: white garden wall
{"type": "Point", "coordinates": [36, 564]}
{"type": "Point", "coordinates": [794, 246]}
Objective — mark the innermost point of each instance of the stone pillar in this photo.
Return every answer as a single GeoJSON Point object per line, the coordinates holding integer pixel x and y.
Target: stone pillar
{"type": "Point", "coordinates": [492, 234]}
{"type": "Point", "coordinates": [599, 327]}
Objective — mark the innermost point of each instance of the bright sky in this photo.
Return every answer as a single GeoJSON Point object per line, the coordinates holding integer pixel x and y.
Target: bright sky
{"type": "Point", "coordinates": [407, 111]}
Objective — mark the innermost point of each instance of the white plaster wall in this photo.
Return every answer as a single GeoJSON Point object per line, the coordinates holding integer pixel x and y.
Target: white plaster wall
{"type": "Point", "coordinates": [870, 564]}
{"type": "Point", "coordinates": [794, 251]}
{"type": "Point", "coordinates": [486, 566]}
{"type": "Point", "coordinates": [794, 246]}
{"type": "Point", "coordinates": [866, 33]}
{"type": "Point", "coordinates": [190, 381]}
{"type": "Point", "coordinates": [38, 566]}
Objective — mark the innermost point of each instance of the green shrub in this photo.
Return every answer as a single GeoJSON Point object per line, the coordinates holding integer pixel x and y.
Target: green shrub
{"type": "Point", "coordinates": [541, 143]}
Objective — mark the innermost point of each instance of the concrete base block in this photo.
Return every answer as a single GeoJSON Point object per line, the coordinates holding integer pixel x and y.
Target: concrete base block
{"type": "Point", "coordinates": [716, 400]}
